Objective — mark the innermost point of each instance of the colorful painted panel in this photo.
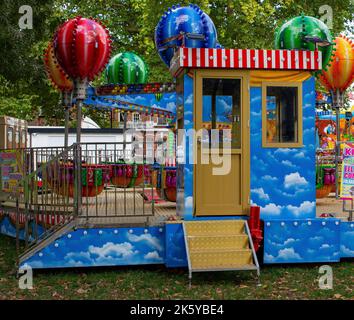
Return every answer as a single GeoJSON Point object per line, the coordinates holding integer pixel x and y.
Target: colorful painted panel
{"type": "Point", "coordinates": [160, 104]}
{"type": "Point", "coordinates": [103, 247]}
{"type": "Point", "coordinates": [175, 247]}
{"type": "Point", "coordinates": [185, 194]}
{"type": "Point", "coordinates": [180, 147]}
{"type": "Point", "coordinates": [283, 179]}
{"type": "Point", "coordinates": [347, 239]}
{"type": "Point", "coordinates": [299, 241]}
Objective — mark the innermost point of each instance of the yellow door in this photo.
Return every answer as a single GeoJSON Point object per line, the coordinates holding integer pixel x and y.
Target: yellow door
{"type": "Point", "coordinates": [222, 184]}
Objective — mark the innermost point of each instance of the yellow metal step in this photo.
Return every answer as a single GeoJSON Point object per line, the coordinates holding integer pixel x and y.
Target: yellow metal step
{"type": "Point", "coordinates": [212, 227]}
{"type": "Point", "coordinates": [219, 245]}
{"type": "Point", "coordinates": [220, 242]}
{"type": "Point", "coordinates": [221, 260]}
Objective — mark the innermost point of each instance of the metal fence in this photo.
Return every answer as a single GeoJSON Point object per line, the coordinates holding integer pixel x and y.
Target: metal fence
{"type": "Point", "coordinates": [113, 183]}
{"type": "Point", "coordinates": [49, 188]}
{"type": "Point", "coordinates": [33, 196]}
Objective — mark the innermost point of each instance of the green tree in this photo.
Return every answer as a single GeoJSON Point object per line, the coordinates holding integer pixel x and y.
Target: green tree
{"type": "Point", "coordinates": [131, 23]}
{"type": "Point", "coordinates": [24, 88]}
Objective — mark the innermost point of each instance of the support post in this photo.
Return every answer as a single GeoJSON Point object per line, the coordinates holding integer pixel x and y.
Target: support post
{"type": "Point", "coordinates": [67, 101]}
{"type": "Point", "coordinates": [124, 133]}
{"type": "Point", "coordinates": [80, 94]}
{"type": "Point", "coordinates": [78, 118]}
{"type": "Point", "coordinates": [78, 182]}
{"type": "Point", "coordinates": [78, 161]}
{"type": "Point", "coordinates": [66, 134]}
{"type": "Point", "coordinates": [336, 104]}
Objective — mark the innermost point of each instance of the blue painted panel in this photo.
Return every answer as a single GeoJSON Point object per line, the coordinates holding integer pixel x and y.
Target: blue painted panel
{"type": "Point", "coordinates": [283, 179]}
{"type": "Point", "coordinates": [103, 247]}
{"type": "Point", "coordinates": [8, 227]}
{"type": "Point", "coordinates": [180, 162]}
{"type": "Point", "coordinates": [299, 241]}
{"type": "Point", "coordinates": [188, 167]}
{"type": "Point", "coordinates": [175, 247]}
{"type": "Point", "coordinates": [347, 240]}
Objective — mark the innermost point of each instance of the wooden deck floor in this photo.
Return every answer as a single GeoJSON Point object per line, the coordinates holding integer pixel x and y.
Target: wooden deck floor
{"type": "Point", "coordinates": [122, 206]}
{"type": "Point", "coordinates": [112, 207]}
{"type": "Point", "coordinates": [128, 202]}
{"type": "Point", "coordinates": [333, 206]}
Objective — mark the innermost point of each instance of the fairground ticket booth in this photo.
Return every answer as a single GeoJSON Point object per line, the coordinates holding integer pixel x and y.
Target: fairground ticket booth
{"type": "Point", "coordinates": [266, 98]}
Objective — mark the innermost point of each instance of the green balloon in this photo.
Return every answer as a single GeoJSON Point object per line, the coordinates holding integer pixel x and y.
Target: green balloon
{"type": "Point", "coordinates": [127, 68]}
{"type": "Point", "coordinates": [291, 36]}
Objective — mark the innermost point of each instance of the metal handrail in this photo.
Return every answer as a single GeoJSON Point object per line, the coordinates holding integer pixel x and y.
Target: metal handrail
{"type": "Point", "coordinates": [252, 248]}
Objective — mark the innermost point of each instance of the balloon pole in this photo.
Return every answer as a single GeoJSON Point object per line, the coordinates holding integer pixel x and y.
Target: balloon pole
{"type": "Point", "coordinates": [125, 132]}
{"type": "Point", "coordinates": [80, 87]}
{"type": "Point", "coordinates": [66, 134]}
{"type": "Point", "coordinates": [78, 120]}
{"type": "Point", "coordinates": [67, 101]}
{"type": "Point", "coordinates": [80, 94]}
{"type": "Point", "coordinates": [337, 105]}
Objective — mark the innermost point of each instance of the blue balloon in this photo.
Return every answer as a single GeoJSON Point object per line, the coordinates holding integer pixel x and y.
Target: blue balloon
{"type": "Point", "coordinates": [177, 20]}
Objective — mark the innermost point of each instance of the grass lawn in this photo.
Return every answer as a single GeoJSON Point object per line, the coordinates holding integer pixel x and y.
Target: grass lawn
{"type": "Point", "coordinates": [157, 282]}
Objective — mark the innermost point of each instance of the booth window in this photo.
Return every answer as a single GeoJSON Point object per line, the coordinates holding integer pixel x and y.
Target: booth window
{"type": "Point", "coordinates": [282, 116]}
{"type": "Point", "coordinates": [221, 111]}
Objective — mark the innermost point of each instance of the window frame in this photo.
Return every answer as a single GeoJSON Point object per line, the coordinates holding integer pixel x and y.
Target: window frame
{"type": "Point", "coordinates": [265, 143]}
{"type": "Point", "coordinates": [10, 141]}
{"type": "Point", "coordinates": [138, 118]}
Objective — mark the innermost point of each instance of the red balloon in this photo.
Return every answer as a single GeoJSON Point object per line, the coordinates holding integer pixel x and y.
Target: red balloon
{"type": "Point", "coordinates": [82, 47]}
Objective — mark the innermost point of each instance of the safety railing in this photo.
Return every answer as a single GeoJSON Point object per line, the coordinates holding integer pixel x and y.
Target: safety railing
{"type": "Point", "coordinates": [52, 187]}
{"type": "Point", "coordinates": [115, 182]}
{"type": "Point", "coordinates": [32, 183]}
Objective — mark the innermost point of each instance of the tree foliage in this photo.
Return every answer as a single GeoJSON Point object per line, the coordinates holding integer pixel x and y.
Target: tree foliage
{"type": "Point", "coordinates": [131, 23]}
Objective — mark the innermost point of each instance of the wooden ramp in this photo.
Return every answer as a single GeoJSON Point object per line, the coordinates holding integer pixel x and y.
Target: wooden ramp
{"type": "Point", "coordinates": [219, 245]}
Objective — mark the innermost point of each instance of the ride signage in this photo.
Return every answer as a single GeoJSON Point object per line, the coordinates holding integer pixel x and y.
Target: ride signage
{"type": "Point", "coordinates": [347, 177]}
{"type": "Point", "coordinates": [10, 175]}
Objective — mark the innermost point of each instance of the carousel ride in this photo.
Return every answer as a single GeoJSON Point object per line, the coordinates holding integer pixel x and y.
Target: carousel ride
{"type": "Point", "coordinates": [126, 74]}
{"type": "Point", "coordinates": [183, 242]}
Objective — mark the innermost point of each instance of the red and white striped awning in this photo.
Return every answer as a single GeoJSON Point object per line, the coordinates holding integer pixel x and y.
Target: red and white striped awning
{"type": "Point", "coordinates": [245, 59]}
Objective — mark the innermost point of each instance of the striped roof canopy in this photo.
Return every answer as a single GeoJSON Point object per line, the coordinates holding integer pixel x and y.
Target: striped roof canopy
{"type": "Point", "coordinates": [245, 59]}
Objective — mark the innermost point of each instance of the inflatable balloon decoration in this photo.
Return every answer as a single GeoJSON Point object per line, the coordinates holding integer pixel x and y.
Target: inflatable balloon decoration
{"type": "Point", "coordinates": [82, 47]}
{"type": "Point", "coordinates": [305, 33]}
{"type": "Point", "coordinates": [127, 68]}
{"type": "Point", "coordinates": [337, 78]}
{"type": "Point", "coordinates": [340, 72]}
{"type": "Point", "coordinates": [61, 81]}
{"type": "Point", "coordinates": [184, 26]}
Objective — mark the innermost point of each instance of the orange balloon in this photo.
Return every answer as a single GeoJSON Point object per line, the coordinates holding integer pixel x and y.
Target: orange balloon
{"type": "Point", "coordinates": [56, 74]}
{"type": "Point", "coordinates": [340, 72]}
